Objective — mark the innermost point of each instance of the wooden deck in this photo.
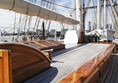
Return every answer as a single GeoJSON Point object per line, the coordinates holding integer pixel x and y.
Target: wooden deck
{"type": "Point", "coordinates": [112, 74]}
{"type": "Point", "coordinates": [67, 62]}
{"type": "Point", "coordinates": [45, 44]}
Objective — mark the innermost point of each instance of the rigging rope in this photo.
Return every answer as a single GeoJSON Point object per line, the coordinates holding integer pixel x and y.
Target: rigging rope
{"type": "Point", "coordinates": [114, 23]}
{"type": "Point", "coordinates": [96, 12]}
{"type": "Point", "coordinates": [14, 27]}
{"type": "Point", "coordinates": [29, 23]}
{"type": "Point", "coordinates": [26, 18]}
{"type": "Point", "coordinates": [58, 4]}
{"type": "Point", "coordinates": [48, 22]}
{"type": "Point", "coordinates": [87, 5]}
{"type": "Point", "coordinates": [51, 7]}
{"type": "Point", "coordinates": [14, 22]}
{"type": "Point", "coordinates": [48, 14]}
{"type": "Point", "coordinates": [18, 34]}
{"type": "Point", "coordinates": [35, 23]}
{"type": "Point", "coordinates": [25, 23]}
{"type": "Point", "coordinates": [95, 19]}
{"type": "Point", "coordinates": [37, 19]}
{"type": "Point", "coordinates": [114, 12]}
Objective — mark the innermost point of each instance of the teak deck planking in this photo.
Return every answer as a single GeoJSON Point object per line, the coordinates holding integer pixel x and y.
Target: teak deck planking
{"type": "Point", "coordinates": [45, 44]}
{"type": "Point", "coordinates": [65, 64]}
{"type": "Point", "coordinates": [73, 66]}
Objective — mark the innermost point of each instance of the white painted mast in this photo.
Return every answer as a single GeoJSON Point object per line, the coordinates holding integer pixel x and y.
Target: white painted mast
{"type": "Point", "coordinates": [77, 36]}
{"type": "Point", "coordinates": [114, 12]}
{"type": "Point", "coordinates": [98, 14]}
{"type": "Point", "coordinates": [105, 14]}
{"type": "Point", "coordinates": [79, 15]}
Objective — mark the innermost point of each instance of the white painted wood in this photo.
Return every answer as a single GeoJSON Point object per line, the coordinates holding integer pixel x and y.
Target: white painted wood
{"type": "Point", "coordinates": [79, 15]}
{"type": "Point", "coordinates": [105, 14]}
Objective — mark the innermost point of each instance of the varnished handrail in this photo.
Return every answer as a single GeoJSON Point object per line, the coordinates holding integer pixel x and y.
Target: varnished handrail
{"type": "Point", "coordinates": [5, 67]}
{"type": "Point", "coordinates": [1, 54]}
{"type": "Point", "coordinates": [81, 73]}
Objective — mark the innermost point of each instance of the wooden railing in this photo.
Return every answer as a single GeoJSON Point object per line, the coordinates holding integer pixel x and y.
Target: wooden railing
{"type": "Point", "coordinates": [91, 71]}
{"type": "Point", "coordinates": [5, 67]}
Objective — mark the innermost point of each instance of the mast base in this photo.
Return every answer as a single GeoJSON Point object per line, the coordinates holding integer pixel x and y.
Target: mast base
{"type": "Point", "coordinates": [81, 38]}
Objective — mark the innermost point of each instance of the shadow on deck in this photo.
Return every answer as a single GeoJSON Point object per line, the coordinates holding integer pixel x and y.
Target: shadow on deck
{"type": "Point", "coordinates": [44, 75]}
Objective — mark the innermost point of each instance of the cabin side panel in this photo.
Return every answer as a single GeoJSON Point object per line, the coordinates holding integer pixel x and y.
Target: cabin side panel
{"type": "Point", "coordinates": [26, 61]}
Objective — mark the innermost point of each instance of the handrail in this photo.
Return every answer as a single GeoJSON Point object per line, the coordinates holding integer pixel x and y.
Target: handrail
{"type": "Point", "coordinates": [81, 73]}
{"type": "Point", "coordinates": [5, 67]}
{"type": "Point", "coordinates": [1, 54]}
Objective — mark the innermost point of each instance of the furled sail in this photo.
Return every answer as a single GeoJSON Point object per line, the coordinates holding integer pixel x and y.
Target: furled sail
{"type": "Point", "coordinates": [27, 8]}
